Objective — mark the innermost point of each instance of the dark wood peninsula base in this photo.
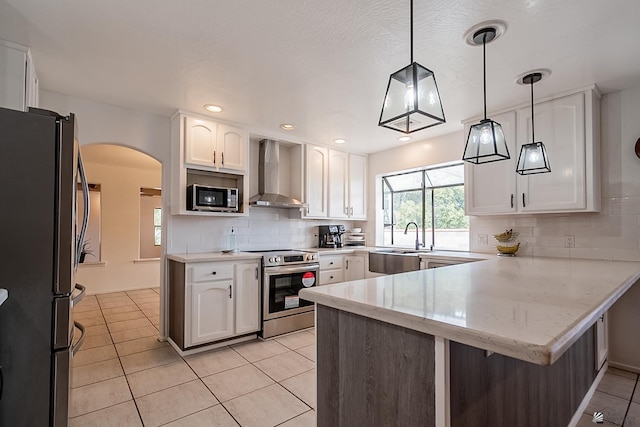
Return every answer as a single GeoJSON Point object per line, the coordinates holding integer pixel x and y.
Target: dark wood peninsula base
{"type": "Point", "coordinates": [372, 373]}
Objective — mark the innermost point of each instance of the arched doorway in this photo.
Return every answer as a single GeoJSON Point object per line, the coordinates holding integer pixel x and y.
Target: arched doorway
{"type": "Point", "coordinates": [123, 226]}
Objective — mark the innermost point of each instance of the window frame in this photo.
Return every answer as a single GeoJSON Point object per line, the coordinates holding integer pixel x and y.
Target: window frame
{"type": "Point", "coordinates": [424, 188]}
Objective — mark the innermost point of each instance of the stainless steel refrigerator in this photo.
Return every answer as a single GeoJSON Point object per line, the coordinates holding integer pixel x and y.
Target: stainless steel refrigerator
{"type": "Point", "coordinates": [40, 240]}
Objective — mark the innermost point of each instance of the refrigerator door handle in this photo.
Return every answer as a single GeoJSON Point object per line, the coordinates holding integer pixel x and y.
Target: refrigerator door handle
{"type": "Point", "coordinates": [78, 344]}
{"type": "Point", "coordinates": [75, 300]}
{"type": "Point", "coordinates": [87, 210]}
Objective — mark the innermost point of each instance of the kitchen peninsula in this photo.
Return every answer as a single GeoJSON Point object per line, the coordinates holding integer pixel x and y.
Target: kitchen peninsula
{"type": "Point", "coordinates": [508, 341]}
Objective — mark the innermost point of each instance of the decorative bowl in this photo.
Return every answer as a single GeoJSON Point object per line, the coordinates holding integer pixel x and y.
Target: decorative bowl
{"type": "Point", "coordinates": [508, 249]}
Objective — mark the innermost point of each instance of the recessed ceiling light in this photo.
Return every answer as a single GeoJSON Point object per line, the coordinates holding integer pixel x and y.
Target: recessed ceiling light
{"type": "Point", "coordinates": [404, 138]}
{"type": "Point", "coordinates": [339, 141]}
{"type": "Point", "coordinates": [213, 108]}
{"type": "Point", "coordinates": [287, 126]}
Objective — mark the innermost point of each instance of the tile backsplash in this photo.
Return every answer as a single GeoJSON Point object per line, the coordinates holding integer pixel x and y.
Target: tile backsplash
{"type": "Point", "coordinates": [611, 234]}
{"type": "Point", "coordinates": [264, 228]}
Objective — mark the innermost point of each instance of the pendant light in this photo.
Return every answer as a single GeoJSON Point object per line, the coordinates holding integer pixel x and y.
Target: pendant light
{"type": "Point", "coordinates": [533, 156]}
{"type": "Point", "coordinates": [486, 141]}
{"type": "Point", "coordinates": [412, 101]}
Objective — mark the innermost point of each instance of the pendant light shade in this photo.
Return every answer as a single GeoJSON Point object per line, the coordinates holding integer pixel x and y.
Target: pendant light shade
{"type": "Point", "coordinates": [533, 157]}
{"type": "Point", "coordinates": [486, 142]}
{"type": "Point", "coordinates": [412, 101]}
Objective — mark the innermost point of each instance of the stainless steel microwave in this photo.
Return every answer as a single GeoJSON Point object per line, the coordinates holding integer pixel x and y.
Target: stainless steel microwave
{"type": "Point", "coordinates": [214, 199]}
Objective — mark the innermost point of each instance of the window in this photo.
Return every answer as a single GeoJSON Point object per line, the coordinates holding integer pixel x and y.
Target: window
{"type": "Point", "coordinates": [157, 226]}
{"type": "Point", "coordinates": [92, 238]}
{"type": "Point", "coordinates": [431, 198]}
{"type": "Point", "coordinates": [150, 223]}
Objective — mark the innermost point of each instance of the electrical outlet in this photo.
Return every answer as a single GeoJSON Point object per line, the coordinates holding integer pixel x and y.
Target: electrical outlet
{"type": "Point", "coordinates": [569, 241]}
{"type": "Point", "coordinates": [482, 239]}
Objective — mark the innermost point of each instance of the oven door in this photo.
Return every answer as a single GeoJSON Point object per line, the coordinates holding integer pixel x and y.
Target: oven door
{"type": "Point", "coordinates": [281, 287]}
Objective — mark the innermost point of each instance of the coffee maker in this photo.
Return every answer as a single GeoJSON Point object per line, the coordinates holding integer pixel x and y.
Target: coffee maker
{"type": "Point", "coordinates": [330, 236]}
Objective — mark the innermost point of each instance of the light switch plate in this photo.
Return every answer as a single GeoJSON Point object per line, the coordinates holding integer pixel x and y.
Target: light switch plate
{"type": "Point", "coordinates": [482, 239]}
{"type": "Point", "coordinates": [569, 241]}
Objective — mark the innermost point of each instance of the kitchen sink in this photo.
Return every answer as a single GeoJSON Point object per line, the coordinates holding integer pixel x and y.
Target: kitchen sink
{"type": "Point", "coordinates": [393, 261]}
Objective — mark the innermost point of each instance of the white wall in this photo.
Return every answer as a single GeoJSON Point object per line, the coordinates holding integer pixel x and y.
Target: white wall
{"type": "Point", "coordinates": [443, 149]}
{"type": "Point", "coordinates": [613, 233]}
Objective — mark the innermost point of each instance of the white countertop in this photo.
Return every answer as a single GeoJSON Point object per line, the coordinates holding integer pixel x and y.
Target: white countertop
{"type": "Point", "coordinates": [213, 256]}
{"type": "Point", "coordinates": [528, 308]}
{"type": "Point", "coordinates": [3, 295]}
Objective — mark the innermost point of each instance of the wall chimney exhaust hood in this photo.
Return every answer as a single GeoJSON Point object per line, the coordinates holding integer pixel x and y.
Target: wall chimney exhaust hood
{"type": "Point", "coordinates": [269, 179]}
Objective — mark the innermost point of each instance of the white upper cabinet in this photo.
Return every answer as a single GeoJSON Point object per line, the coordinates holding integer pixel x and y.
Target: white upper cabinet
{"type": "Point", "coordinates": [317, 168]}
{"type": "Point", "coordinates": [560, 125]}
{"type": "Point", "coordinates": [336, 184]}
{"type": "Point", "coordinates": [214, 145]}
{"type": "Point", "coordinates": [357, 186]}
{"type": "Point", "coordinates": [232, 145]}
{"type": "Point", "coordinates": [18, 80]}
{"type": "Point", "coordinates": [569, 128]}
{"type": "Point", "coordinates": [490, 188]}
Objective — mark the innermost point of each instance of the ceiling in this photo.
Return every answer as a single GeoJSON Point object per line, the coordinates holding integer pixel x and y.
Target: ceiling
{"type": "Point", "coordinates": [322, 65]}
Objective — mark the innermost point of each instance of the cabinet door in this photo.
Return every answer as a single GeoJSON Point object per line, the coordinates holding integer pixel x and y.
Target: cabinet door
{"type": "Point", "coordinates": [211, 311]}
{"type": "Point", "coordinates": [560, 125]}
{"type": "Point", "coordinates": [338, 178]}
{"type": "Point", "coordinates": [231, 148]}
{"type": "Point", "coordinates": [353, 267]}
{"type": "Point", "coordinates": [200, 142]}
{"type": "Point", "coordinates": [12, 76]}
{"type": "Point", "coordinates": [317, 162]}
{"type": "Point", "coordinates": [247, 298]}
{"type": "Point", "coordinates": [357, 186]}
{"type": "Point", "coordinates": [490, 188]}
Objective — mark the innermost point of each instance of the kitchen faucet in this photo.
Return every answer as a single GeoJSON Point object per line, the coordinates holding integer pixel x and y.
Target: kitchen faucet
{"type": "Point", "coordinates": [418, 244]}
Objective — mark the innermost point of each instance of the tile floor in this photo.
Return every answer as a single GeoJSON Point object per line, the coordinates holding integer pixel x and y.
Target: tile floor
{"type": "Point", "coordinates": [618, 398]}
{"type": "Point", "coordinates": [123, 376]}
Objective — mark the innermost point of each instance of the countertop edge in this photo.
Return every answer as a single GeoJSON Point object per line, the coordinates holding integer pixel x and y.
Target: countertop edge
{"type": "Point", "coordinates": [213, 256]}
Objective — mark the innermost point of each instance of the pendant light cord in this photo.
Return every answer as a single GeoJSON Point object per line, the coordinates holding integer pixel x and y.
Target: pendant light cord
{"type": "Point", "coordinates": [411, 30]}
{"type": "Point", "coordinates": [484, 71]}
{"type": "Point", "coordinates": [533, 128]}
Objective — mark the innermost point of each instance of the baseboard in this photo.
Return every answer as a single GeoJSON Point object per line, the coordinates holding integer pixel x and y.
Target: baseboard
{"type": "Point", "coordinates": [213, 346]}
{"type": "Point", "coordinates": [625, 367]}
{"type": "Point", "coordinates": [587, 397]}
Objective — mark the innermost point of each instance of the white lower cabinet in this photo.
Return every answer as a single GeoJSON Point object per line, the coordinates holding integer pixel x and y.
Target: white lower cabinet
{"type": "Point", "coordinates": [341, 268]}
{"type": "Point", "coordinates": [212, 311]}
{"type": "Point", "coordinates": [247, 298]}
{"type": "Point", "coordinates": [212, 301]}
{"type": "Point", "coordinates": [331, 269]}
{"type": "Point", "coordinates": [354, 267]}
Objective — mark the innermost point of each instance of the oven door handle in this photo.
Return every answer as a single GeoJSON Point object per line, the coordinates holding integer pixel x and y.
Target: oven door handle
{"type": "Point", "coordinates": [298, 269]}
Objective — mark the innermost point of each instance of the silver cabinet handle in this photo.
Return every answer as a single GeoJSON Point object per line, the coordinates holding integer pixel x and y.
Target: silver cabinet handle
{"type": "Point", "coordinates": [78, 344]}
{"type": "Point", "coordinates": [230, 291]}
{"type": "Point", "coordinates": [511, 200]}
{"type": "Point", "coordinates": [222, 158]}
{"type": "Point", "coordinates": [214, 157]}
{"type": "Point", "coordinates": [256, 273]}
{"type": "Point", "coordinates": [524, 204]}
{"type": "Point", "coordinates": [347, 264]}
{"type": "Point", "coordinates": [214, 273]}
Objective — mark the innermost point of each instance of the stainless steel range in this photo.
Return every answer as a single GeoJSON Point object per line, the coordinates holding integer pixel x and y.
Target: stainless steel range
{"type": "Point", "coordinates": [284, 273]}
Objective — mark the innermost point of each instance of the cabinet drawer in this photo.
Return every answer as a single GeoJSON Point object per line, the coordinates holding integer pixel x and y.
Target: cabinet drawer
{"type": "Point", "coordinates": [330, 262]}
{"type": "Point", "coordinates": [210, 271]}
{"type": "Point", "coordinates": [329, 277]}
